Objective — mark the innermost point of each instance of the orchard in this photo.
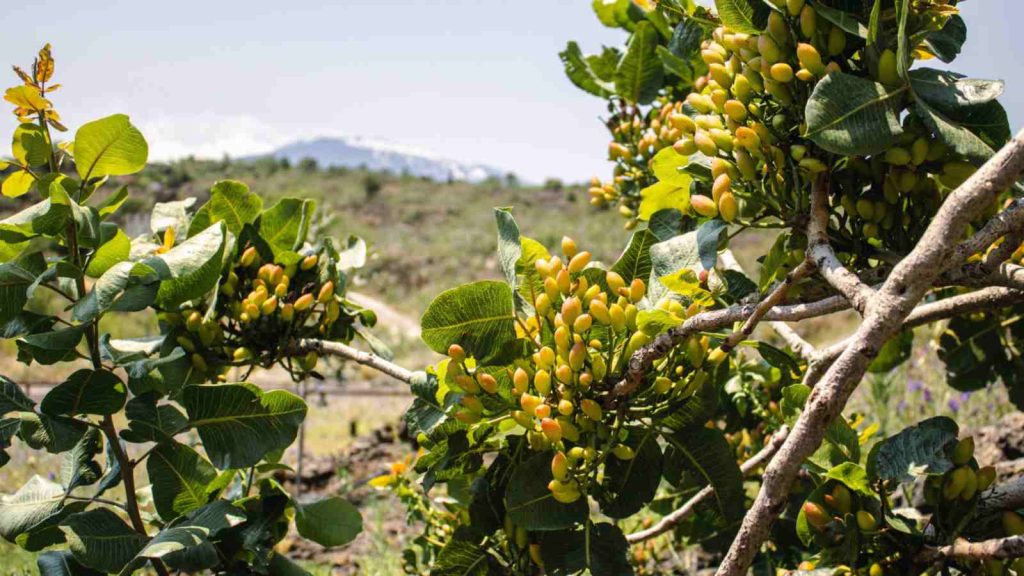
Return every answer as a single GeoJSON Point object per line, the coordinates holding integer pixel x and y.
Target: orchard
{"type": "Point", "coordinates": [583, 417]}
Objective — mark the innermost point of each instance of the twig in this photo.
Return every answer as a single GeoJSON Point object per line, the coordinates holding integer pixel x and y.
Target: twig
{"type": "Point", "coordinates": [772, 300]}
{"type": "Point", "coordinates": [669, 521]}
{"type": "Point", "coordinates": [358, 356]}
{"type": "Point", "coordinates": [802, 347]}
{"type": "Point", "coordinates": [997, 548]}
{"type": "Point", "coordinates": [820, 252]}
{"type": "Point", "coordinates": [884, 315]}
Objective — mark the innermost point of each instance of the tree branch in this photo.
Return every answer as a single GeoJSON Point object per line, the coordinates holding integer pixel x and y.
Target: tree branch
{"type": "Point", "coordinates": [671, 520]}
{"type": "Point", "coordinates": [794, 340]}
{"type": "Point", "coordinates": [997, 548]}
{"type": "Point", "coordinates": [1003, 496]}
{"type": "Point", "coordinates": [358, 356]}
{"type": "Point", "coordinates": [773, 299]}
{"type": "Point", "coordinates": [821, 254]}
{"type": "Point", "coordinates": [884, 315]}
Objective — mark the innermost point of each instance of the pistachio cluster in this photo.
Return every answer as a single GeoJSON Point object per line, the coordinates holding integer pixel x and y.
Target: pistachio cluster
{"type": "Point", "coordinates": [260, 308]}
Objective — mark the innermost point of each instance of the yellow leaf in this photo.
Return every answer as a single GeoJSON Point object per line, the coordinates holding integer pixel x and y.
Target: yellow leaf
{"type": "Point", "coordinates": [17, 184]}
{"type": "Point", "coordinates": [382, 481]}
{"type": "Point", "coordinates": [44, 65]}
{"type": "Point", "coordinates": [24, 76]}
{"type": "Point", "coordinates": [26, 97]}
{"type": "Point", "coordinates": [661, 196]}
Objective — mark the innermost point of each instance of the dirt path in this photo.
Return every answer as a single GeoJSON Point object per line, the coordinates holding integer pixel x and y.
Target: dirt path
{"type": "Point", "coordinates": [387, 316]}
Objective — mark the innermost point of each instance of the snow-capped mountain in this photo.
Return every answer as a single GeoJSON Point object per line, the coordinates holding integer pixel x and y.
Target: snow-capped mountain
{"type": "Point", "coordinates": [354, 152]}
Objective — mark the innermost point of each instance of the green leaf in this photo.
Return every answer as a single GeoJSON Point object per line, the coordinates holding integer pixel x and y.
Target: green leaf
{"type": "Point", "coordinates": [285, 225]}
{"type": "Point", "coordinates": [62, 563]}
{"type": "Point", "coordinates": [531, 505]}
{"type": "Point", "coordinates": [167, 542]}
{"type": "Point", "coordinates": [635, 262]}
{"type": "Point", "coordinates": [581, 74]}
{"type": "Point", "coordinates": [841, 441]}
{"type": "Point", "coordinates": [190, 269]}
{"type": "Point", "coordinates": [109, 147]}
{"type": "Point", "coordinates": [702, 456]}
{"type": "Point", "coordinates": [854, 476]}
{"type": "Point", "coordinates": [639, 75]}
{"type": "Point", "coordinates": [281, 565]}
{"type": "Point", "coordinates": [616, 13]}
{"type": "Point", "coordinates": [676, 65]}
{"type": "Point", "coordinates": [29, 145]}
{"type": "Point", "coordinates": [950, 92]}
{"type": "Point", "coordinates": [461, 557]}
{"type": "Point", "coordinates": [79, 467]}
{"type": "Point", "coordinates": [629, 485]}
{"type": "Point", "coordinates": [959, 139]}
{"type": "Point", "coordinates": [51, 347]}
{"type": "Point", "coordinates": [55, 434]}
{"type": "Point", "coordinates": [329, 522]}
{"type": "Point", "coordinates": [180, 478]}
{"type": "Point", "coordinates": [239, 423]}
{"type": "Point", "coordinates": [848, 22]}
{"type": "Point", "coordinates": [171, 215]}
{"type": "Point", "coordinates": [510, 250]}
{"type": "Point", "coordinates": [530, 284]}
{"type": "Point", "coordinates": [33, 504]}
{"type": "Point", "coordinates": [100, 540]}
{"type": "Point", "coordinates": [477, 316]}
{"type": "Point", "coordinates": [13, 398]}
{"type": "Point", "coordinates": [947, 42]}
{"type": "Point", "coordinates": [426, 411]}
{"type": "Point", "coordinates": [853, 116]}
{"type": "Point", "coordinates": [111, 252]}
{"type": "Point", "coordinates": [126, 286]}
{"type": "Point", "coordinates": [919, 449]}
{"type": "Point", "coordinates": [111, 203]}
{"type": "Point", "coordinates": [86, 392]}
{"type": "Point", "coordinates": [655, 321]}
{"type": "Point", "coordinates": [671, 256]}
{"type": "Point", "coordinates": [747, 16]}
{"type": "Point", "coordinates": [709, 236]}
{"type": "Point", "coordinates": [150, 422]}
{"type": "Point", "coordinates": [893, 353]}
{"type": "Point", "coordinates": [599, 548]}
{"type": "Point", "coordinates": [230, 202]}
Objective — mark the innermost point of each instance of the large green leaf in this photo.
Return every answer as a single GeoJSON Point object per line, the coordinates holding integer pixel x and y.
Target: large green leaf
{"type": "Point", "coordinates": [13, 398]}
{"type": "Point", "coordinates": [462, 557]}
{"type": "Point", "coordinates": [671, 256]}
{"type": "Point", "coordinates": [15, 280]}
{"type": "Point", "coordinates": [239, 423]}
{"type": "Point", "coordinates": [150, 422]}
{"type": "Point", "coordinates": [747, 16]}
{"type": "Point", "coordinates": [101, 540]}
{"type": "Point", "coordinates": [973, 351]}
{"type": "Point", "coordinates": [329, 522]}
{"type": "Point", "coordinates": [845, 20]}
{"type": "Point", "coordinates": [125, 287]}
{"type": "Point", "coordinates": [702, 457]}
{"type": "Point", "coordinates": [530, 284]}
{"type": "Point", "coordinates": [30, 145]}
{"type": "Point", "coordinates": [284, 225]}
{"type": "Point", "coordinates": [113, 250]}
{"type": "Point", "coordinates": [54, 433]}
{"type": "Point", "coordinates": [529, 502]}
{"type": "Point", "coordinates": [639, 75]}
{"type": "Point", "coordinates": [110, 146]}
{"type": "Point", "coordinates": [950, 92]}
{"type": "Point", "coordinates": [510, 250]}
{"type": "Point", "coordinates": [853, 116]}
{"type": "Point", "coordinates": [958, 138]}
{"type": "Point", "coordinates": [426, 410]}
{"type": "Point", "coordinates": [34, 503]}
{"type": "Point", "coordinates": [477, 316]}
{"type": "Point", "coordinates": [947, 42]}
{"type": "Point", "coordinates": [167, 542]}
{"type": "Point", "coordinates": [190, 269]}
{"type": "Point", "coordinates": [230, 202]}
{"type": "Point", "coordinates": [51, 347]}
{"type": "Point", "coordinates": [166, 215]}
{"type": "Point", "coordinates": [629, 485]}
{"type": "Point", "coordinates": [62, 563]}
{"type": "Point", "coordinates": [79, 467]}
{"type": "Point", "coordinates": [635, 262]}
{"type": "Point", "coordinates": [916, 450]}
{"type": "Point", "coordinates": [599, 548]}
{"type": "Point", "coordinates": [580, 73]}
{"type": "Point", "coordinates": [180, 478]}
{"type": "Point", "coordinates": [86, 392]}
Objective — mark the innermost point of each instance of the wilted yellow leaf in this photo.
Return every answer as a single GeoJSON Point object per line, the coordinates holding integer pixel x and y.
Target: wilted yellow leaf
{"type": "Point", "coordinates": [44, 65]}
{"type": "Point", "coordinates": [17, 184]}
{"type": "Point", "coordinates": [23, 75]}
{"type": "Point", "coordinates": [26, 97]}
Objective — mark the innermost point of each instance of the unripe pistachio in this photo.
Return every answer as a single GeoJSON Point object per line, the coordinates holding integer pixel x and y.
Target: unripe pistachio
{"type": "Point", "coordinates": [1013, 523]}
{"type": "Point", "coordinates": [599, 310]}
{"type": "Point", "coordinates": [304, 302]}
{"type": "Point", "coordinates": [704, 206]}
{"type": "Point", "coordinates": [563, 374]}
{"type": "Point", "coordinates": [591, 409]}
{"type": "Point", "coordinates": [565, 407]}
{"type": "Point", "coordinates": [487, 383]}
{"type": "Point", "coordinates": [564, 282]}
{"type": "Point", "coordinates": [252, 310]}
{"type": "Point", "coordinates": [326, 292]}
{"type": "Point", "coordinates": [467, 383]}
{"type": "Point", "coordinates": [618, 317]}
{"type": "Point", "coordinates": [986, 476]}
{"type": "Point", "coordinates": [782, 72]}
{"type": "Point", "coordinates": [887, 68]}
{"type": "Point", "coordinates": [579, 262]}
{"type": "Point", "coordinates": [662, 384]}
{"type": "Point", "coordinates": [542, 411]}
{"type": "Point", "coordinates": [876, 570]}
{"type": "Point", "coordinates": [720, 74]}
{"type": "Point", "coordinates": [308, 262]}
{"type": "Point", "coordinates": [186, 343]}
{"type": "Point", "coordinates": [560, 466]}
{"type": "Point", "coordinates": [685, 146]}
{"type": "Point", "coordinates": [705, 144]}
{"type": "Point", "coordinates": [546, 357]}
{"type": "Point", "coordinates": [768, 49]}
{"type": "Point", "coordinates": [520, 382]}
{"type": "Point", "coordinates": [523, 419]}
{"type": "Point", "coordinates": [970, 484]}
{"type": "Point", "coordinates": [568, 247]}
{"type": "Point", "coordinates": [582, 323]}
{"type": "Point", "coordinates": [728, 207]}
{"type": "Point", "coordinates": [248, 257]}
{"type": "Point", "coordinates": [577, 356]}
{"type": "Point", "coordinates": [836, 41]}
{"type": "Point", "coordinates": [598, 366]}
{"type": "Point", "coordinates": [637, 289]}
{"type": "Point", "coordinates": [529, 403]}
{"type": "Point", "coordinates": [682, 122]}
{"type": "Point", "coordinates": [840, 499]}
{"type": "Point", "coordinates": [199, 363]}
{"type": "Point", "coordinates": [636, 341]}
{"type": "Point", "coordinates": [571, 309]}
{"type": "Point", "coordinates": [721, 185]}
{"type": "Point", "coordinates": [897, 156]}
{"type": "Point", "coordinates": [954, 484]}
{"type": "Point", "coordinates": [866, 521]}
{"type": "Point", "coordinates": [794, 7]}
{"type": "Point", "coordinates": [623, 452]}
{"type": "Point", "coordinates": [816, 516]}
{"type": "Point", "coordinates": [810, 59]}
{"type": "Point", "coordinates": [467, 417]}
{"type": "Point", "coordinates": [551, 429]}
{"type": "Point", "coordinates": [808, 22]}
{"type": "Point", "coordinates": [472, 403]}
{"type": "Point", "coordinates": [614, 282]}
{"type": "Point", "coordinates": [963, 451]}
{"type": "Point", "coordinates": [268, 306]}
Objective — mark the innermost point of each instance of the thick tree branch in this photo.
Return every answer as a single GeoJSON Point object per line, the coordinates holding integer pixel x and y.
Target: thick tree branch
{"type": "Point", "coordinates": [1003, 496]}
{"type": "Point", "coordinates": [997, 548]}
{"type": "Point", "coordinates": [358, 356]}
{"type": "Point", "coordinates": [820, 253]}
{"type": "Point", "coordinates": [671, 520]}
{"type": "Point", "coordinates": [884, 315]}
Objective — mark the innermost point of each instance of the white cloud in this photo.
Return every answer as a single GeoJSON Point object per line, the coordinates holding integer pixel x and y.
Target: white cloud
{"type": "Point", "coordinates": [212, 136]}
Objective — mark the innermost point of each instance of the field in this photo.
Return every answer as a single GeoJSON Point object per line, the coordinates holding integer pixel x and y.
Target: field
{"type": "Point", "coordinates": [425, 237]}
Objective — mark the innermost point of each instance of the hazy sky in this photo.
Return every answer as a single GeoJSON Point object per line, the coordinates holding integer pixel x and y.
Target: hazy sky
{"type": "Point", "coordinates": [473, 80]}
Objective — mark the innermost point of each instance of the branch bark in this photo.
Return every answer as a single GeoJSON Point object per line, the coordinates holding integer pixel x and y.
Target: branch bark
{"type": "Point", "coordinates": [358, 356]}
{"type": "Point", "coordinates": [672, 519]}
{"type": "Point", "coordinates": [997, 548]}
{"type": "Point", "coordinates": [821, 254]}
{"type": "Point", "coordinates": [884, 315]}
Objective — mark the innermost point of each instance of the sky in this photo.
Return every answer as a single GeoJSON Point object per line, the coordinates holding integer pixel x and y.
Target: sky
{"type": "Point", "coordinates": [471, 80]}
